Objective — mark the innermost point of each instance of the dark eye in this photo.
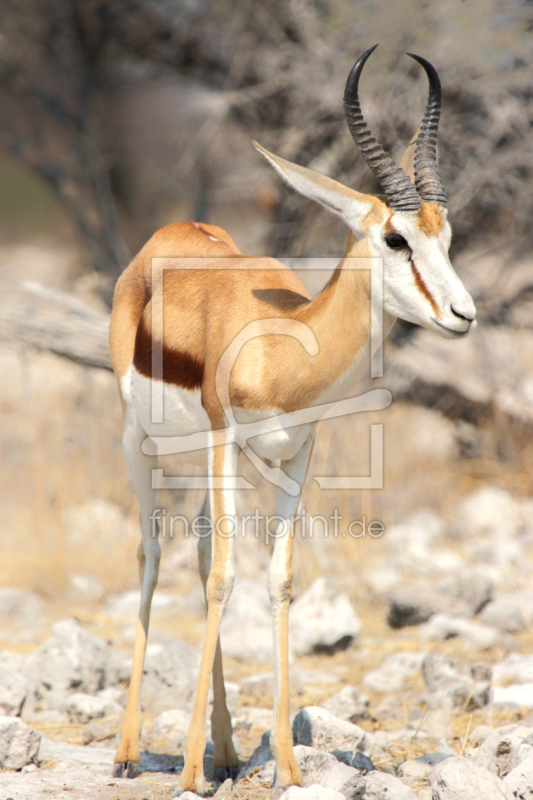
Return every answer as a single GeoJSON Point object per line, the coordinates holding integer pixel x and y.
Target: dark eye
{"type": "Point", "coordinates": [395, 241]}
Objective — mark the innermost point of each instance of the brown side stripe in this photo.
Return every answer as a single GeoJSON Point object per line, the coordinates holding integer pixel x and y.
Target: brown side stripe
{"type": "Point", "coordinates": [423, 289]}
{"type": "Point", "coordinates": [181, 369]}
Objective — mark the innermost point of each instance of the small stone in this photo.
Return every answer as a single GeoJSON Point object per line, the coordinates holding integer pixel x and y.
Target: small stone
{"type": "Point", "coordinates": [518, 695]}
{"type": "Point", "coordinates": [84, 707]}
{"type": "Point", "coordinates": [510, 612]}
{"type": "Point", "coordinates": [418, 769]}
{"type": "Point", "coordinates": [324, 769]}
{"type": "Point", "coordinates": [224, 790]}
{"type": "Point", "coordinates": [472, 586]}
{"type": "Point", "coordinates": [445, 626]}
{"type": "Point", "coordinates": [314, 792]}
{"type": "Point", "coordinates": [502, 750]}
{"type": "Point", "coordinates": [13, 684]}
{"type": "Point", "coordinates": [358, 760]}
{"type": "Point", "coordinates": [170, 676]}
{"type": "Point", "coordinates": [349, 704]}
{"type": "Point", "coordinates": [246, 627]}
{"type": "Point", "coordinates": [323, 620]}
{"type": "Point", "coordinates": [382, 786]}
{"type": "Point", "coordinates": [461, 779]}
{"type": "Point", "coordinates": [516, 668]}
{"type": "Point", "coordinates": [519, 782]}
{"type": "Point", "coordinates": [19, 743]}
{"type": "Point", "coordinates": [20, 608]}
{"type": "Point", "coordinates": [71, 658]}
{"type": "Point", "coordinates": [85, 589]}
{"type": "Point", "coordinates": [172, 725]}
{"type": "Point", "coordinates": [390, 677]}
{"type": "Point", "coordinates": [454, 683]}
{"type": "Point", "coordinates": [315, 727]}
{"type": "Point", "coordinates": [412, 605]}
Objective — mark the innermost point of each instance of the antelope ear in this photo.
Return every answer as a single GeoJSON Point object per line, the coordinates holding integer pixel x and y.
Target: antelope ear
{"type": "Point", "coordinates": [408, 159]}
{"type": "Point", "coordinates": [352, 207]}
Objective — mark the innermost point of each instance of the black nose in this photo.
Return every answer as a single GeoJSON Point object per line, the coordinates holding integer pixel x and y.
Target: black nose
{"type": "Point", "coordinates": [461, 316]}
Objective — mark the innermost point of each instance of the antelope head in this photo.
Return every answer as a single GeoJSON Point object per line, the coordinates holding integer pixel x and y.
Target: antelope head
{"type": "Point", "coordinates": [409, 229]}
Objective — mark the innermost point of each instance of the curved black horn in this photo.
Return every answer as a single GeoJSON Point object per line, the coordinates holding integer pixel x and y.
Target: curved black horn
{"type": "Point", "coordinates": [400, 192]}
{"type": "Point", "coordinates": [427, 181]}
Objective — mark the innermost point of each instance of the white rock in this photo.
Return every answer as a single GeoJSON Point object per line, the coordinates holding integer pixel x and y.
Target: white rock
{"type": "Point", "coordinates": [473, 586]}
{"type": "Point", "coordinates": [502, 750]}
{"type": "Point", "coordinates": [85, 707]}
{"type": "Point", "coordinates": [516, 668]}
{"type": "Point", "coordinates": [71, 658]}
{"type": "Point", "coordinates": [489, 512]}
{"type": "Point", "coordinates": [349, 704]}
{"type": "Point", "coordinates": [518, 695]}
{"type": "Point", "coordinates": [170, 676]}
{"type": "Point", "coordinates": [418, 769]}
{"type": "Point", "coordinates": [390, 677]}
{"type": "Point", "coordinates": [20, 608]}
{"type": "Point", "coordinates": [246, 628]}
{"type": "Point", "coordinates": [323, 620]}
{"type": "Point", "coordinates": [509, 612]}
{"type": "Point", "coordinates": [382, 786]}
{"type": "Point", "coordinates": [173, 725]}
{"type": "Point", "coordinates": [519, 782]}
{"type": "Point", "coordinates": [18, 743]}
{"type": "Point", "coordinates": [85, 589]}
{"type": "Point", "coordinates": [460, 779]}
{"type": "Point", "coordinates": [314, 792]}
{"type": "Point", "coordinates": [415, 536]}
{"type": "Point", "coordinates": [13, 683]}
{"type": "Point", "coordinates": [453, 683]}
{"type": "Point", "coordinates": [445, 626]}
{"type": "Point", "coordinates": [315, 727]}
{"type": "Point", "coordinates": [325, 770]}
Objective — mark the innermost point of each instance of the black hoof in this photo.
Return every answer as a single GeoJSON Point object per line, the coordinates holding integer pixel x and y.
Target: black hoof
{"type": "Point", "coordinates": [221, 774]}
{"type": "Point", "coordinates": [129, 769]}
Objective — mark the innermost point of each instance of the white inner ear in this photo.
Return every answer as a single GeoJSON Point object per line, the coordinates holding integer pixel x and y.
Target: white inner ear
{"type": "Point", "coordinates": [350, 206]}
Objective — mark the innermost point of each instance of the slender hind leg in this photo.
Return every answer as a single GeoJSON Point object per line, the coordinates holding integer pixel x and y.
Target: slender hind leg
{"type": "Point", "coordinates": [279, 588]}
{"type": "Point", "coordinates": [226, 760]}
{"type": "Point", "coordinates": [140, 466]}
{"type": "Point", "coordinates": [222, 461]}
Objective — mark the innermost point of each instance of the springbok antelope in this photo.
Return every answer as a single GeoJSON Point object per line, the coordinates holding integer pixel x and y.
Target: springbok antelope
{"type": "Point", "coordinates": [205, 310]}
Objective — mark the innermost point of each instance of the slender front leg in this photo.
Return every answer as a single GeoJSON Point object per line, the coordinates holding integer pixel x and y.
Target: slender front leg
{"type": "Point", "coordinates": [279, 588]}
{"type": "Point", "coordinates": [225, 759]}
{"type": "Point", "coordinates": [140, 466]}
{"type": "Point", "coordinates": [222, 463]}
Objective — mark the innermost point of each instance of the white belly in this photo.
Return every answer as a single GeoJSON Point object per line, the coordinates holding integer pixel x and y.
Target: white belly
{"type": "Point", "coordinates": [183, 415]}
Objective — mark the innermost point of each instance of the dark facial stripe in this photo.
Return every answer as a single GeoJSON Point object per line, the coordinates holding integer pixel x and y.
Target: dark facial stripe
{"type": "Point", "coordinates": [423, 289]}
{"type": "Point", "coordinates": [181, 369]}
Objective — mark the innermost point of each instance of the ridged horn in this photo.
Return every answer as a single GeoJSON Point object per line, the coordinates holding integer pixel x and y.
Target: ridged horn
{"type": "Point", "coordinates": [400, 192]}
{"type": "Point", "coordinates": [427, 181]}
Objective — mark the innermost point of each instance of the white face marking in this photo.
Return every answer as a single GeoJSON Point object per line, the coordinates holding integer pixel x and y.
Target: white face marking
{"type": "Point", "coordinates": [420, 284]}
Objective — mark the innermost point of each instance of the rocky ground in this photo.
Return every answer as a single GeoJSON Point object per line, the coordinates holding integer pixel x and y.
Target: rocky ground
{"type": "Point", "coordinates": [425, 690]}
